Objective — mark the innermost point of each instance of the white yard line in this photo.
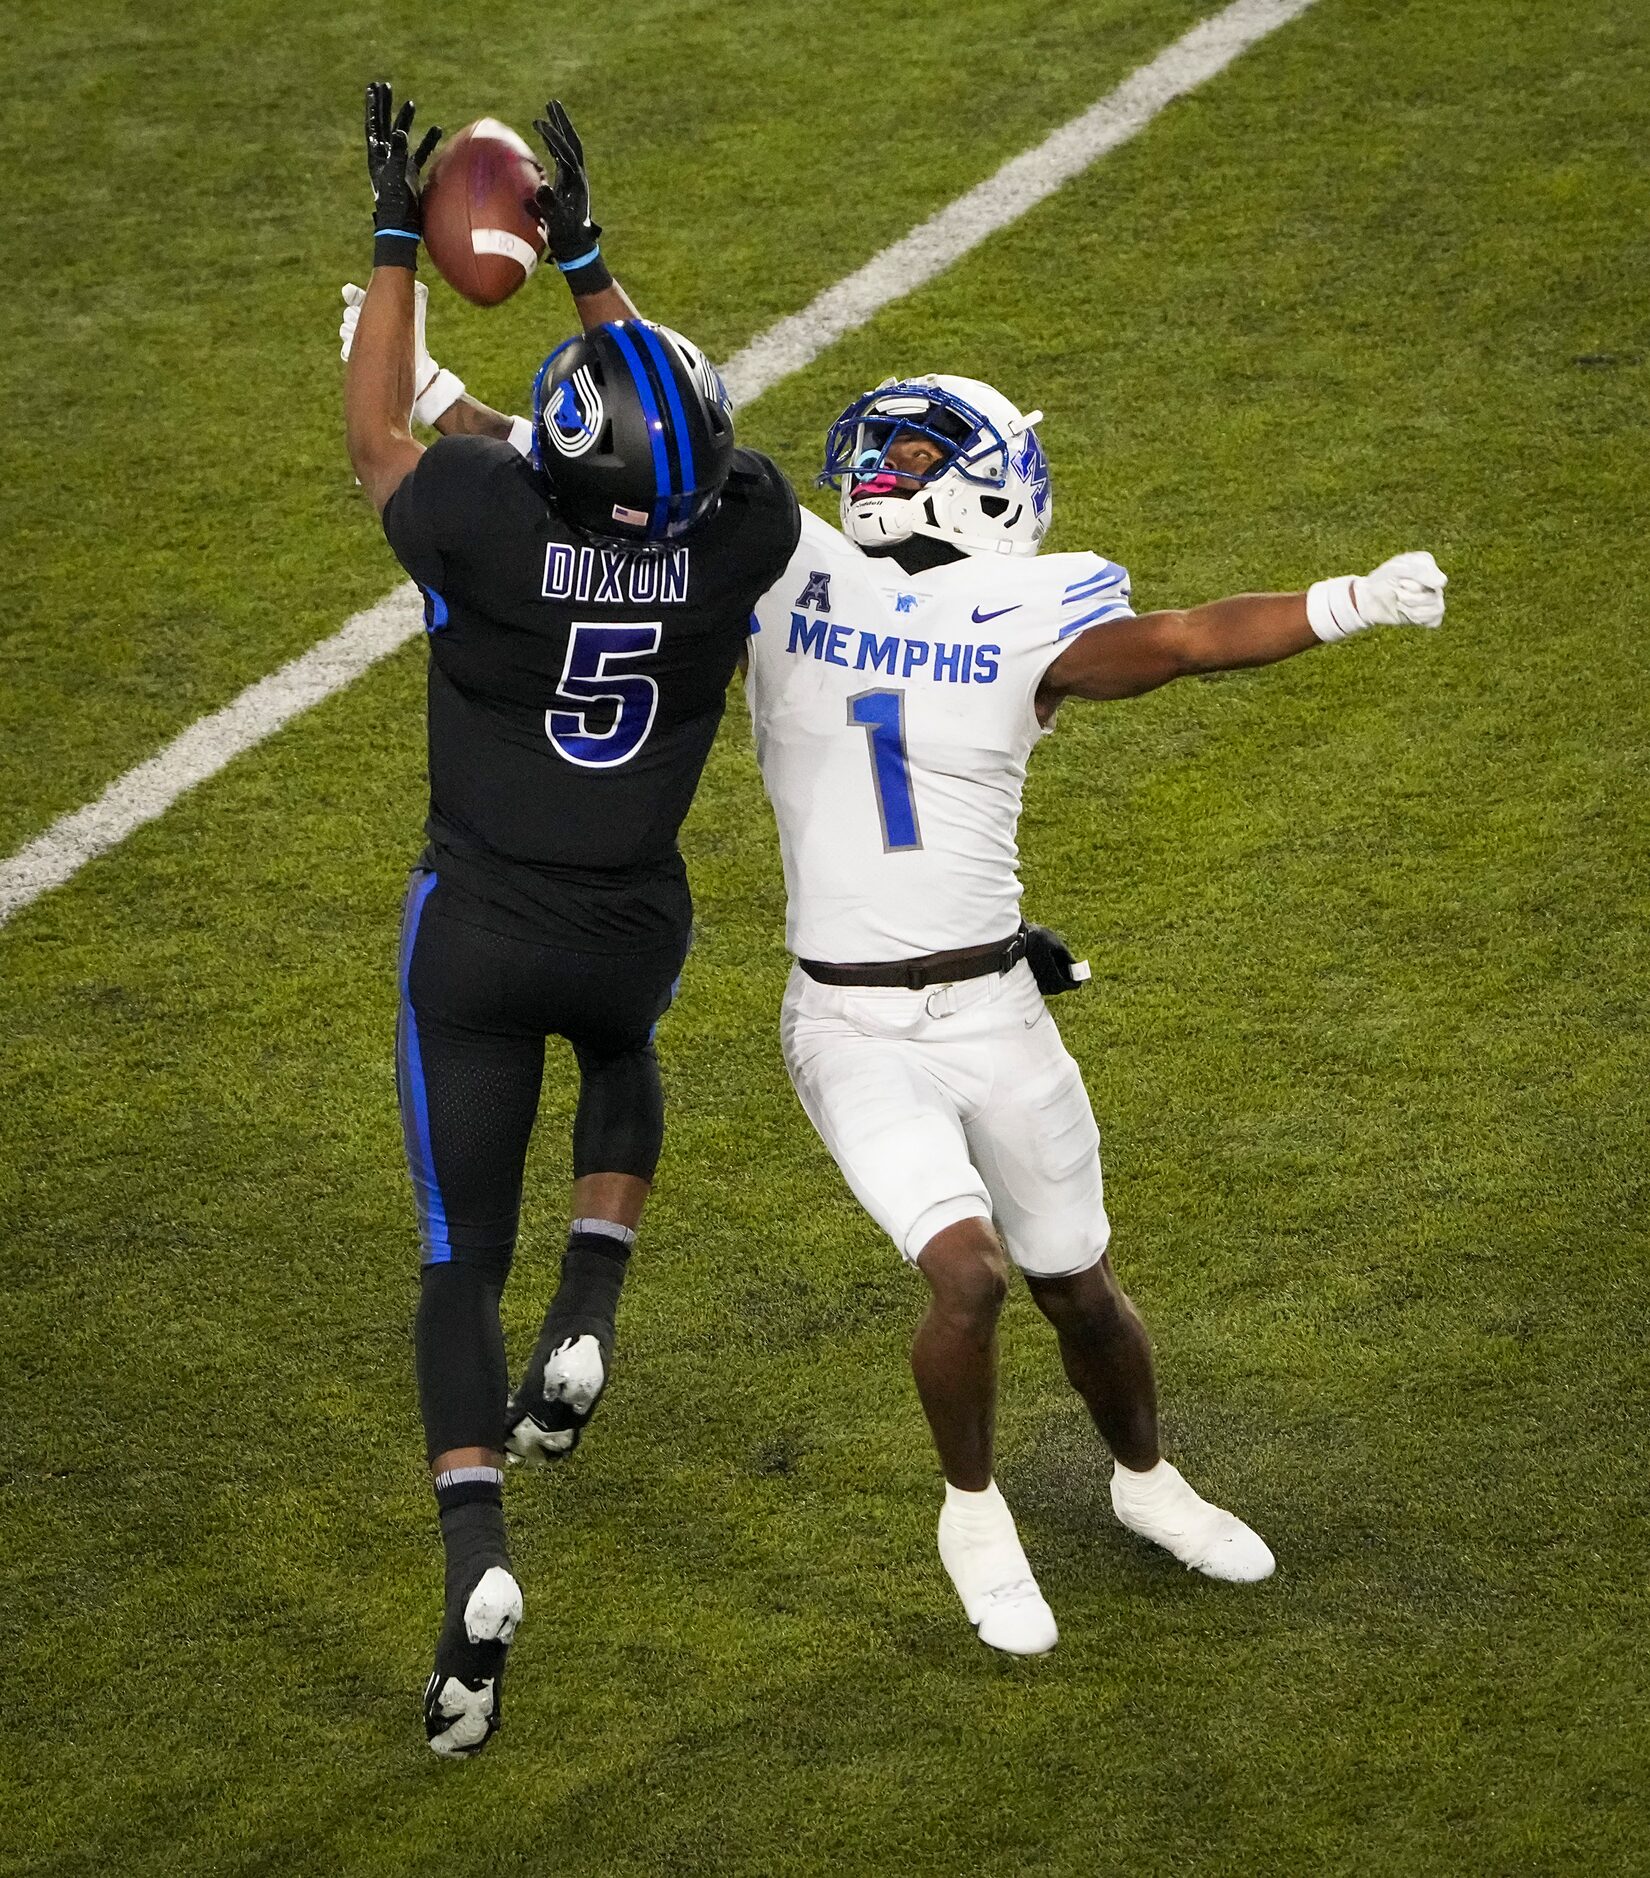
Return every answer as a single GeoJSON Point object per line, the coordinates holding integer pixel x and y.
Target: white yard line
{"type": "Point", "coordinates": [1019, 185]}
{"type": "Point", "coordinates": [145, 793]}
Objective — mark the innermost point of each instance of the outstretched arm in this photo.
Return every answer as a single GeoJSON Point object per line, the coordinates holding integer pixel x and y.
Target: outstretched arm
{"type": "Point", "coordinates": [1129, 656]}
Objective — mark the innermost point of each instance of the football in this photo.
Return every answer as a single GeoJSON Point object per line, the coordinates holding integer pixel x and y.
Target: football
{"type": "Point", "coordinates": [480, 226]}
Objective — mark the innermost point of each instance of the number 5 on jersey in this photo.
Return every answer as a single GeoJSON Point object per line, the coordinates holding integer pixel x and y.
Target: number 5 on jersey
{"type": "Point", "coordinates": [881, 714]}
{"type": "Point", "coordinates": [587, 679]}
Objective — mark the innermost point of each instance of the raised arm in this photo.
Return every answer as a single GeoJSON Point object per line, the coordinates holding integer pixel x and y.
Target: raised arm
{"type": "Point", "coordinates": [438, 397]}
{"type": "Point", "coordinates": [574, 243]}
{"type": "Point", "coordinates": [574, 240]}
{"type": "Point", "coordinates": [1125, 657]}
{"type": "Point", "coordinates": [379, 382]}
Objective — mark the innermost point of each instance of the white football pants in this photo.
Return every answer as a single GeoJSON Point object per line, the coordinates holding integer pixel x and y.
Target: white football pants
{"type": "Point", "coordinates": [959, 1102]}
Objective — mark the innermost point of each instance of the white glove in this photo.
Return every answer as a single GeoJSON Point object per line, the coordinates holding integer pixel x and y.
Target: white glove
{"type": "Point", "coordinates": [1408, 590]}
{"type": "Point", "coordinates": [437, 390]}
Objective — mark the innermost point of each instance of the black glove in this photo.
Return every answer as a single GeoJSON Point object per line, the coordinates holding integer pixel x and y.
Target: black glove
{"type": "Point", "coordinates": [1052, 964]}
{"type": "Point", "coordinates": [564, 203]}
{"type": "Point", "coordinates": [397, 221]}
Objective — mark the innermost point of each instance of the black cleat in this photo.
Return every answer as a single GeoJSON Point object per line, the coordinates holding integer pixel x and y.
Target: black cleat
{"type": "Point", "coordinates": [464, 1697]}
{"type": "Point", "coordinates": [557, 1397]}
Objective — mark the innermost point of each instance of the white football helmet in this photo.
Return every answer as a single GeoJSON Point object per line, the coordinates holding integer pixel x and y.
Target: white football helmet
{"type": "Point", "coordinates": [990, 492]}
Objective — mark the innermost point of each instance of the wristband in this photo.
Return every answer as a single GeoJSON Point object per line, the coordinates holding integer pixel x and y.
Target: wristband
{"type": "Point", "coordinates": [587, 275]}
{"type": "Point", "coordinates": [395, 247]}
{"type": "Point", "coordinates": [442, 392]}
{"type": "Point", "coordinates": [1332, 609]}
{"type": "Point", "coordinates": [521, 436]}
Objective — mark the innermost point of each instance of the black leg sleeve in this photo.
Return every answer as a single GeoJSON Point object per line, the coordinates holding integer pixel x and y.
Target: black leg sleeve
{"type": "Point", "coordinates": [620, 1124]}
{"type": "Point", "coordinates": [468, 1080]}
{"type": "Point", "coordinates": [462, 1376]}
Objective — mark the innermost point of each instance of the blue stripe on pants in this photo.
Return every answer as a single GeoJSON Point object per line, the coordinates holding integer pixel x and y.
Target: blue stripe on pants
{"type": "Point", "coordinates": [414, 1097]}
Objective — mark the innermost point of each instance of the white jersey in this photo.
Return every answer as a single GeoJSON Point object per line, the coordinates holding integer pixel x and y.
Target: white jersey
{"type": "Point", "coordinates": [894, 714]}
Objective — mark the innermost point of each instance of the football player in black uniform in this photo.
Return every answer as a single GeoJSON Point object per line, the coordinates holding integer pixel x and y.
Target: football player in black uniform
{"type": "Point", "coordinates": [585, 611]}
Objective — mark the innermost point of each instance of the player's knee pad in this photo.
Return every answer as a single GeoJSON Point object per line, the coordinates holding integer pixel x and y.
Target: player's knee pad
{"type": "Point", "coordinates": [1065, 1246]}
{"type": "Point", "coordinates": [620, 1124]}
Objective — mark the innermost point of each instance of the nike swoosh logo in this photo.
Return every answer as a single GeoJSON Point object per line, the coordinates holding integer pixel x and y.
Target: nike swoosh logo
{"type": "Point", "coordinates": [981, 618]}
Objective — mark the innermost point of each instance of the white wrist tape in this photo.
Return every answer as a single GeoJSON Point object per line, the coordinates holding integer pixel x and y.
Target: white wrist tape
{"type": "Point", "coordinates": [521, 436]}
{"type": "Point", "coordinates": [439, 396]}
{"type": "Point", "coordinates": [1332, 609]}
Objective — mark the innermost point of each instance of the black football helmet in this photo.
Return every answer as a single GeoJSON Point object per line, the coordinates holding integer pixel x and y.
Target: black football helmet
{"type": "Point", "coordinates": [633, 430]}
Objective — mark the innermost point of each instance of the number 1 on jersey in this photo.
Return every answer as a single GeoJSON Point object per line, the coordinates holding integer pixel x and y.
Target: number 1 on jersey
{"type": "Point", "coordinates": [881, 714]}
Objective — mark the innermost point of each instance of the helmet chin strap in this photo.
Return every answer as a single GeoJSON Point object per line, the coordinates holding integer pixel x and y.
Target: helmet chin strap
{"type": "Point", "coordinates": [885, 520]}
{"type": "Point", "coordinates": [900, 519]}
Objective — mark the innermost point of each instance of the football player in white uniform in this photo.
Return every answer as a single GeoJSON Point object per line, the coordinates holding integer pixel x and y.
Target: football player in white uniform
{"type": "Point", "coordinates": [900, 675]}
{"type": "Point", "coordinates": [899, 679]}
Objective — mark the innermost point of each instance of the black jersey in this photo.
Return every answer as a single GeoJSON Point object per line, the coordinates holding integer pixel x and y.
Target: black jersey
{"type": "Point", "coordinates": [574, 689]}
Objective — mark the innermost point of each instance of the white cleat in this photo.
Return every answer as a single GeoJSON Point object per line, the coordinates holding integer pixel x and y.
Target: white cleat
{"type": "Point", "coordinates": [1205, 1538]}
{"type": "Point", "coordinates": [1016, 1619]}
{"type": "Point", "coordinates": [462, 1708]}
{"type": "Point", "coordinates": [982, 1552]}
{"type": "Point", "coordinates": [574, 1378]}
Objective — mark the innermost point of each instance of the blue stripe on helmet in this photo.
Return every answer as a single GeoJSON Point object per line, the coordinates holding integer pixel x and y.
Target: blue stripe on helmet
{"type": "Point", "coordinates": [653, 418]}
{"type": "Point", "coordinates": [684, 437]}
{"type": "Point", "coordinates": [683, 502]}
{"type": "Point", "coordinates": [659, 383]}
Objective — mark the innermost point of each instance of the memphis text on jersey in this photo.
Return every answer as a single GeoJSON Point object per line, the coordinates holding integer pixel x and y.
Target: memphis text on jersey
{"type": "Point", "coordinates": [615, 577]}
{"type": "Point", "coordinates": [835, 643]}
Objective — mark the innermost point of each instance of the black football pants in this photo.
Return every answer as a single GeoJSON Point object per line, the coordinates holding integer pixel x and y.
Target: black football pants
{"type": "Point", "coordinates": [475, 1010]}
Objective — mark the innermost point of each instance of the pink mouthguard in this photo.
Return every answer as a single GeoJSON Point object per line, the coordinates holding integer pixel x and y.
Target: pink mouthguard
{"type": "Point", "coordinates": [884, 484]}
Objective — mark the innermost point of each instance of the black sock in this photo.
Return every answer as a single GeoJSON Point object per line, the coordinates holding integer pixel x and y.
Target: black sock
{"type": "Point", "coordinates": [470, 1501]}
{"type": "Point", "coordinates": [587, 1299]}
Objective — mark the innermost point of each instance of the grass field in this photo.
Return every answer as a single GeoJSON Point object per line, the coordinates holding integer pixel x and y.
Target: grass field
{"type": "Point", "coordinates": [1367, 1041]}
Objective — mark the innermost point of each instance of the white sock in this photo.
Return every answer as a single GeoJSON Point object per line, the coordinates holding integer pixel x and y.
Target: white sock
{"type": "Point", "coordinates": [980, 1512]}
{"type": "Point", "coordinates": [1141, 1485]}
